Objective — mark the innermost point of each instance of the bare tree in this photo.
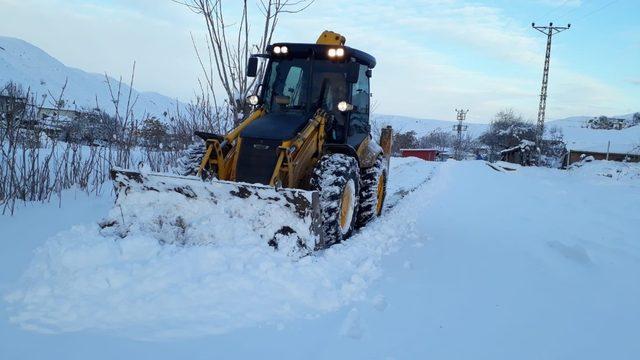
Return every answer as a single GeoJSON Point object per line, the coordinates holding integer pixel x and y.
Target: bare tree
{"type": "Point", "coordinates": [407, 140]}
{"type": "Point", "coordinates": [229, 46]}
{"type": "Point", "coordinates": [507, 130]}
{"type": "Point", "coordinates": [438, 139]}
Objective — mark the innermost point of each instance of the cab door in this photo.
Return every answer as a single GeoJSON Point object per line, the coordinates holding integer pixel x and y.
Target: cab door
{"type": "Point", "coordinates": [359, 126]}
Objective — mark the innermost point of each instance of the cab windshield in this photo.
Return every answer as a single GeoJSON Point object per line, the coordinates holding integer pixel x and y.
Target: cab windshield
{"type": "Point", "coordinates": [288, 85]}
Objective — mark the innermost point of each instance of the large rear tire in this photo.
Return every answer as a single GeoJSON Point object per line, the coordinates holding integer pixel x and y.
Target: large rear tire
{"type": "Point", "coordinates": [373, 191]}
{"type": "Point", "coordinates": [337, 179]}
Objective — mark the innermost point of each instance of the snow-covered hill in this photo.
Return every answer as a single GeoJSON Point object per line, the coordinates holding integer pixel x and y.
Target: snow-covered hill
{"type": "Point", "coordinates": [34, 69]}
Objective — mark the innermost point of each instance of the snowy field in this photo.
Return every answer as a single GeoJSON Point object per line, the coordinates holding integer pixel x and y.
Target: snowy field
{"type": "Point", "coordinates": [474, 263]}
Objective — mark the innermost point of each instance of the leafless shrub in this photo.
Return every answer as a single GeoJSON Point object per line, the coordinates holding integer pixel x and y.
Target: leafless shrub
{"type": "Point", "coordinates": [36, 164]}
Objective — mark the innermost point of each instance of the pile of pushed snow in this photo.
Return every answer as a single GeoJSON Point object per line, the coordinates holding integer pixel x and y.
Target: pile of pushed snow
{"type": "Point", "coordinates": [188, 211]}
{"type": "Point", "coordinates": [82, 280]}
{"type": "Point", "coordinates": [620, 171]}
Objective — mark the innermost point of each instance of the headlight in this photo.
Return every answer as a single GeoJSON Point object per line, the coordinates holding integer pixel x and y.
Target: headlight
{"type": "Point", "coordinates": [284, 50]}
{"type": "Point", "coordinates": [339, 52]}
{"type": "Point", "coordinates": [277, 50]}
{"type": "Point", "coordinates": [253, 100]}
{"type": "Point", "coordinates": [344, 106]}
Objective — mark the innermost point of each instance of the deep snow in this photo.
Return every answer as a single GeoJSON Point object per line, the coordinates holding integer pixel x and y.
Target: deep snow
{"type": "Point", "coordinates": [532, 263]}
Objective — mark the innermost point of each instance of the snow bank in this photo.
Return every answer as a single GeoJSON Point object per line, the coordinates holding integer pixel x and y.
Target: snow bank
{"type": "Point", "coordinates": [82, 280]}
{"type": "Point", "coordinates": [618, 171]}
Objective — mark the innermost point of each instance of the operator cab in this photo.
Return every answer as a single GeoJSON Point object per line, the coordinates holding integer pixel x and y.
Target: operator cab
{"type": "Point", "coordinates": [299, 79]}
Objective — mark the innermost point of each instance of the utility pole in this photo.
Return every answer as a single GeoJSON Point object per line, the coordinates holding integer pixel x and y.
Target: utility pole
{"type": "Point", "coordinates": [459, 128]}
{"type": "Point", "coordinates": [549, 31]}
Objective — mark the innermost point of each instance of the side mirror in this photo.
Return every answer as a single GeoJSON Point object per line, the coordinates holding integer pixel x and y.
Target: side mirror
{"type": "Point", "coordinates": [283, 100]}
{"type": "Point", "coordinates": [353, 72]}
{"type": "Point", "coordinates": [252, 67]}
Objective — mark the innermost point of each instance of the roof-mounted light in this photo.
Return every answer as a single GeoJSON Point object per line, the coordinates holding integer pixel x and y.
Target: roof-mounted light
{"type": "Point", "coordinates": [280, 50]}
{"type": "Point", "coordinates": [335, 53]}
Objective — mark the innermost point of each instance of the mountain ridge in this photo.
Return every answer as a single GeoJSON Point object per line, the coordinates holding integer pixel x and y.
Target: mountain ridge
{"type": "Point", "coordinates": [33, 68]}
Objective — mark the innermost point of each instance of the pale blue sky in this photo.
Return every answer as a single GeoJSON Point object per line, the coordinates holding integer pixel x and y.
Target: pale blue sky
{"type": "Point", "coordinates": [433, 56]}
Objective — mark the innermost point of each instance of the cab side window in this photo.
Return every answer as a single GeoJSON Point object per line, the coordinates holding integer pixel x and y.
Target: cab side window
{"type": "Point", "coordinates": [360, 92]}
{"type": "Point", "coordinates": [294, 86]}
{"type": "Point", "coordinates": [359, 121]}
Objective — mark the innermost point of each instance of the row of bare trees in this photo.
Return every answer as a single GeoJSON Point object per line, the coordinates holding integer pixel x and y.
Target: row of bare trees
{"type": "Point", "coordinates": [36, 166]}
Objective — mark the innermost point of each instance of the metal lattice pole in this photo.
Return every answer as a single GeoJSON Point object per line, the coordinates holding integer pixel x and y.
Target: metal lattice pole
{"type": "Point", "coordinates": [459, 128]}
{"type": "Point", "coordinates": [549, 31]}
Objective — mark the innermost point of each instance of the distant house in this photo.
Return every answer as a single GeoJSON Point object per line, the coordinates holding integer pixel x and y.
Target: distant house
{"type": "Point", "coordinates": [522, 153]}
{"type": "Point", "coordinates": [622, 146]}
{"type": "Point", "coordinates": [576, 155]}
{"type": "Point", "coordinates": [424, 154]}
{"type": "Point", "coordinates": [45, 113]}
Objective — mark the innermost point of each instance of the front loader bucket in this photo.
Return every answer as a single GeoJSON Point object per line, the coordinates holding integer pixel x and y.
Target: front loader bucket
{"type": "Point", "coordinates": [187, 210]}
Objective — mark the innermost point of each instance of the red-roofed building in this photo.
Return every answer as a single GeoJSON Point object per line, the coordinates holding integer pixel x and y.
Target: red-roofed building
{"type": "Point", "coordinates": [424, 154]}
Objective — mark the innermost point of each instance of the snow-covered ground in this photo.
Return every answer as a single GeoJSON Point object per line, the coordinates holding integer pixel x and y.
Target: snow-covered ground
{"type": "Point", "coordinates": [475, 263]}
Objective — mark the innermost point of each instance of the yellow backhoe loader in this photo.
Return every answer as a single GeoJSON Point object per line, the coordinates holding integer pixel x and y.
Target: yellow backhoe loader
{"type": "Point", "coordinates": [305, 149]}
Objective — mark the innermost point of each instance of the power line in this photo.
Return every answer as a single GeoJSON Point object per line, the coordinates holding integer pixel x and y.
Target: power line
{"type": "Point", "coordinates": [549, 31]}
{"type": "Point", "coordinates": [570, 11]}
{"type": "Point", "coordinates": [555, 8]}
{"type": "Point", "coordinates": [598, 9]}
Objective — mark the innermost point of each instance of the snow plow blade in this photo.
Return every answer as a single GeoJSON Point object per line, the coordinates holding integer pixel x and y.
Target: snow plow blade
{"type": "Point", "coordinates": [273, 214]}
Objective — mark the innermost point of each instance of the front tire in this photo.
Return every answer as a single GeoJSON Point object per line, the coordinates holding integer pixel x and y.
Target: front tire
{"type": "Point", "coordinates": [372, 192]}
{"type": "Point", "coordinates": [337, 180]}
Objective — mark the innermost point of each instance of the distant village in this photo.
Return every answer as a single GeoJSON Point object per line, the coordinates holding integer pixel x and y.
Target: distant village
{"type": "Point", "coordinates": [86, 126]}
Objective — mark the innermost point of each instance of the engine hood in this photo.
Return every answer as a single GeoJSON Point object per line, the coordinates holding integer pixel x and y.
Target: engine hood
{"type": "Point", "coordinates": [276, 126]}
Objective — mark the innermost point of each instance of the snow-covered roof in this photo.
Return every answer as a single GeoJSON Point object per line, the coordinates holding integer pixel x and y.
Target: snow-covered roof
{"type": "Point", "coordinates": [523, 144]}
